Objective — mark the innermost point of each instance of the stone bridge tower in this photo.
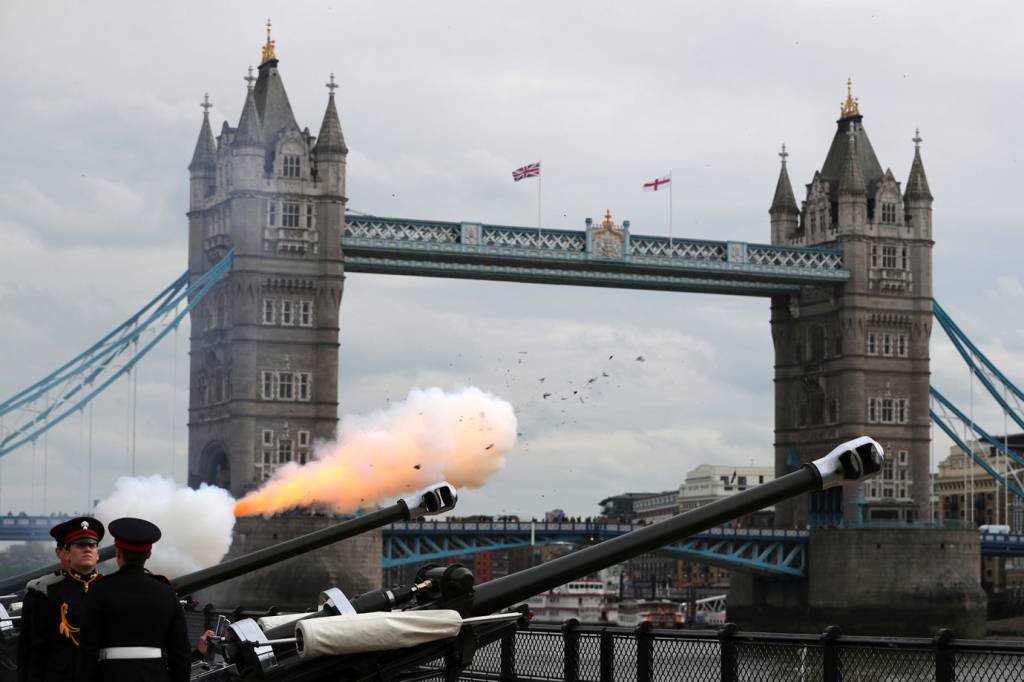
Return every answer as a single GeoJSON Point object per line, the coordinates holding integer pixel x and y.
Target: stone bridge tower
{"type": "Point", "coordinates": [264, 345]}
{"type": "Point", "coordinates": [853, 359]}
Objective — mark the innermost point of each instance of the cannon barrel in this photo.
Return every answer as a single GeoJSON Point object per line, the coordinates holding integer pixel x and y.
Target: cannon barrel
{"type": "Point", "coordinates": [434, 499]}
{"type": "Point", "coordinates": [851, 463]}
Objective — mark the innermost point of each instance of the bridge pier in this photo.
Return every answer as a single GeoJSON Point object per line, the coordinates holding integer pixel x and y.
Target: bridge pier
{"type": "Point", "coordinates": [891, 582]}
{"type": "Point", "coordinates": [353, 565]}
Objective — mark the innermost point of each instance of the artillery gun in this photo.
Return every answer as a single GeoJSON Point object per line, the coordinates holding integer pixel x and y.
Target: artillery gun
{"type": "Point", "coordinates": [396, 633]}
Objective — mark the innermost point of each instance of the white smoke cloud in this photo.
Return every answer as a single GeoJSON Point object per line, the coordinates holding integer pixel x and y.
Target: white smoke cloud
{"type": "Point", "coordinates": [196, 524]}
{"type": "Point", "coordinates": [461, 437]}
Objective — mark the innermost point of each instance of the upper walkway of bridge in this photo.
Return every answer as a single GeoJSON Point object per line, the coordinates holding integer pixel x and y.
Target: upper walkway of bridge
{"type": "Point", "coordinates": [605, 255]}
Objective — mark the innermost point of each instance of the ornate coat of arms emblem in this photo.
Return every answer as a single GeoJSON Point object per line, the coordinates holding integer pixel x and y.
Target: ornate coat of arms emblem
{"type": "Point", "coordinates": [607, 240]}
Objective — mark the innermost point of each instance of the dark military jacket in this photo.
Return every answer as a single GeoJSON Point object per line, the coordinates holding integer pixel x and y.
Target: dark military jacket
{"type": "Point", "coordinates": [52, 626]}
{"type": "Point", "coordinates": [133, 608]}
{"type": "Point", "coordinates": [34, 590]}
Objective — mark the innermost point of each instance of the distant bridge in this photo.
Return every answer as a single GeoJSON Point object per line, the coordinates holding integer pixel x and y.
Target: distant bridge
{"type": "Point", "coordinates": [762, 550]}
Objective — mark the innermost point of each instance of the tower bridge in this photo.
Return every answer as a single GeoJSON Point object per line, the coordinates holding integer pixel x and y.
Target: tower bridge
{"type": "Point", "coordinates": [848, 273]}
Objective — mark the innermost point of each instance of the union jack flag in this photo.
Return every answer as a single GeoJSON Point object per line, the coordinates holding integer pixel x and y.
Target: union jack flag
{"type": "Point", "coordinates": [529, 171]}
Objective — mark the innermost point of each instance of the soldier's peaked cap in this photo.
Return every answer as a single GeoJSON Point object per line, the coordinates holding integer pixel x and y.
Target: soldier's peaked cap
{"type": "Point", "coordinates": [134, 535]}
{"type": "Point", "coordinates": [76, 529]}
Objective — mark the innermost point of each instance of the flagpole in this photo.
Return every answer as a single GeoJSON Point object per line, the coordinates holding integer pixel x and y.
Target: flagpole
{"type": "Point", "coordinates": [670, 212]}
{"type": "Point", "coordinates": [540, 178]}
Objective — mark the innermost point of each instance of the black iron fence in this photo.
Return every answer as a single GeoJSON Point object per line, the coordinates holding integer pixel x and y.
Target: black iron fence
{"type": "Point", "coordinates": [604, 654]}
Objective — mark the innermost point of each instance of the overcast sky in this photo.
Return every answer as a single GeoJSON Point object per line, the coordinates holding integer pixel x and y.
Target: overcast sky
{"type": "Point", "coordinates": [439, 102]}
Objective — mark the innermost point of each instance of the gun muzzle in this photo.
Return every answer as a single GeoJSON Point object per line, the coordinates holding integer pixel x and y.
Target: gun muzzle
{"type": "Point", "coordinates": [434, 499]}
{"type": "Point", "coordinates": [851, 463]}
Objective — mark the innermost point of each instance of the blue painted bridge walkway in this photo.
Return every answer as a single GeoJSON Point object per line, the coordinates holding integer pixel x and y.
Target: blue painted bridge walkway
{"type": "Point", "coordinates": [747, 549]}
{"type": "Point", "coordinates": [760, 550]}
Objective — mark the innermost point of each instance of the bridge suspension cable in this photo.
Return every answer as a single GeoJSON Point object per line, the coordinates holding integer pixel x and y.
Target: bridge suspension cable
{"type": "Point", "coordinates": [49, 401]}
{"type": "Point", "coordinates": [1006, 394]}
{"type": "Point", "coordinates": [983, 368]}
{"type": "Point", "coordinates": [947, 417]}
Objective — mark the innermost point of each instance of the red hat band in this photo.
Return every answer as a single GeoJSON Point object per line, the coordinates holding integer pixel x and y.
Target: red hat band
{"type": "Point", "coordinates": [129, 547]}
{"type": "Point", "coordinates": [80, 533]}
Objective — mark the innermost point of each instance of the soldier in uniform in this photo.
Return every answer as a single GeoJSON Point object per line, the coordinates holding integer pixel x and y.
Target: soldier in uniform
{"type": "Point", "coordinates": [52, 605]}
{"type": "Point", "coordinates": [133, 627]}
{"type": "Point", "coordinates": [35, 590]}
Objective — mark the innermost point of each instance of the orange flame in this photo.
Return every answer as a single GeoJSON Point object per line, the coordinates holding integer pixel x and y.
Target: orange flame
{"type": "Point", "coordinates": [459, 437]}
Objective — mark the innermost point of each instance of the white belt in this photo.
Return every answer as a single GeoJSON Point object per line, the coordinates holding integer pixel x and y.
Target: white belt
{"type": "Point", "coordinates": [130, 652]}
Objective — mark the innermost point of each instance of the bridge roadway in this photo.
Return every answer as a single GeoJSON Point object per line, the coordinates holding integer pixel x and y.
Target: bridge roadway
{"type": "Point", "coordinates": [761, 550]}
{"type": "Point", "coordinates": [605, 256]}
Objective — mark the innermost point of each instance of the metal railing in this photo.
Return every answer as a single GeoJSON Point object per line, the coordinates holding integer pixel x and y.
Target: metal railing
{"type": "Point", "coordinates": [598, 654]}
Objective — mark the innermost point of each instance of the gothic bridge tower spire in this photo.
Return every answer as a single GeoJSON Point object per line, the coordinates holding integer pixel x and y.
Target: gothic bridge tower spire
{"type": "Point", "coordinates": [264, 345]}
{"type": "Point", "coordinates": [853, 359]}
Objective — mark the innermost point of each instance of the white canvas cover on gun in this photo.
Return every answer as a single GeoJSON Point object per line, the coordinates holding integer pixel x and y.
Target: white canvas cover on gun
{"type": "Point", "coordinates": [269, 622]}
{"type": "Point", "coordinates": [377, 631]}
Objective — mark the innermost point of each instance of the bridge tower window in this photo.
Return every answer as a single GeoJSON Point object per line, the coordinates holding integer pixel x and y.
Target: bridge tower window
{"type": "Point", "coordinates": [292, 166]}
{"type": "Point", "coordinates": [284, 450]}
{"type": "Point", "coordinates": [887, 345]}
{"type": "Point", "coordinates": [306, 314]}
{"type": "Point", "coordinates": [888, 212]}
{"type": "Point", "coordinates": [285, 386]}
{"type": "Point", "coordinates": [887, 412]}
{"type": "Point", "coordinates": [872, 343]}
{"type": "Point", "coordinates": [264, 461]}
{"type": "Point", "coordinates": [303, 447]}
{"type": "Point", "coordinates": [269, 384]}
{"type": "Point", "coordinates": [268, 311]}
{"type": "Point", "coordinates": [286, 312]}
{"type": "Point", "coordinates": [901, 345]}
{"type": "Point", "coordinates": [272, 213]}
{"type": "Point", "coordinates": [889, 257]}
{"type": "Point", "coordinates": [309, 216]}
{"type": "Point", "coordinates": [290, 215]}
{"type": "Point", "coordinates": [305, 386]}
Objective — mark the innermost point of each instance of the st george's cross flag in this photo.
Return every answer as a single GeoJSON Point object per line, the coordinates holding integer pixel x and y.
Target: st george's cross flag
{"type": "Point", "coordinates": [656, 184]}
{"type": "Point", "coordinates": [529, 171]}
